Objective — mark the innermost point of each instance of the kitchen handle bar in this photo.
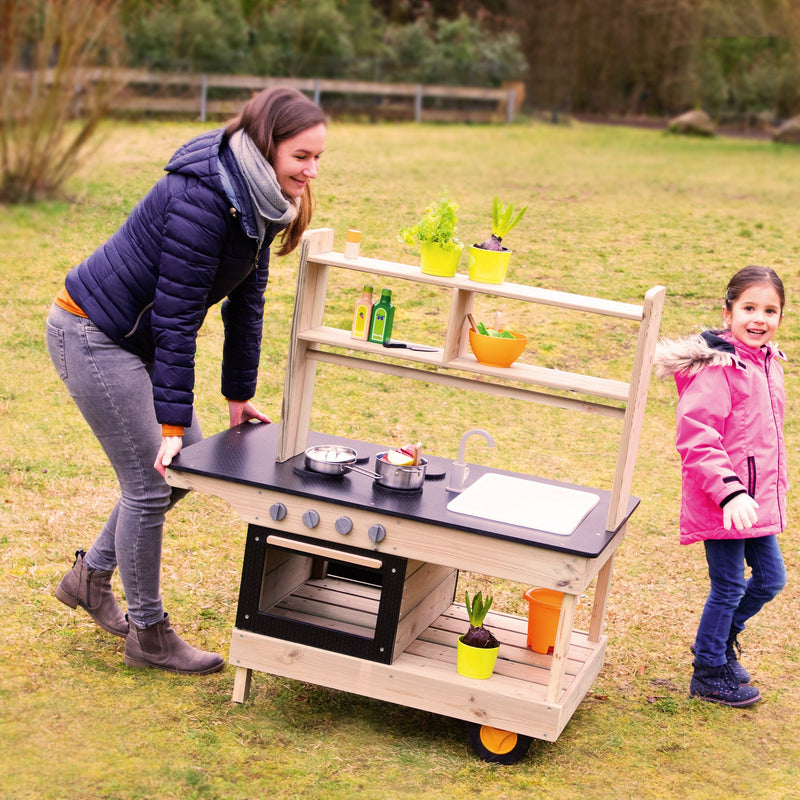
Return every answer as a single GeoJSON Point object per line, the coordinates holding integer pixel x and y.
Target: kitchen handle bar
{"type": "Point", "coordinates": [324, 552]}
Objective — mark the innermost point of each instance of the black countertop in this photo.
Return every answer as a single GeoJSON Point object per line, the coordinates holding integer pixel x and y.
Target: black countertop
{"type": "Point", "coordinates": [246, 455]}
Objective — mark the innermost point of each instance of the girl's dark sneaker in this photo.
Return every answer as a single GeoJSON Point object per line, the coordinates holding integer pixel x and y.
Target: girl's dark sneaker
{"type": "Point", "coordinates": [720, 685]}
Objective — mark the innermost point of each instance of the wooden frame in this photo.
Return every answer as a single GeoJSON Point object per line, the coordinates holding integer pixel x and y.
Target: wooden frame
{"type": "Point", "coordinates": [530, 694]}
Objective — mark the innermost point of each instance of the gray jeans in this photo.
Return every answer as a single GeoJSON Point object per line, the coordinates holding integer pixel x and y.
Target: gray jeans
{"type": "Point", "coordinates": [113, 390]}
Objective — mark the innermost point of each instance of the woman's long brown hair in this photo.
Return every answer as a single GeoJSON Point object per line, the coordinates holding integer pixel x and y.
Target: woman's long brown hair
{"type": "Point", "coordinates": [269, 118]}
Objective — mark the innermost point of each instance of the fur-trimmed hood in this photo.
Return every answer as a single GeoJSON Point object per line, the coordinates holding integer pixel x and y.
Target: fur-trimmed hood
{"type": "Point", "coordinates": [687, 356]}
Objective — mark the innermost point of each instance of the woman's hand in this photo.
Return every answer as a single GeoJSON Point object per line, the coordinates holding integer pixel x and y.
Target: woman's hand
{"type": "Point", "coordinates": [241, 412]}
{"type": "Point", "coordinates": [170, 447]}
{"type": "Point", "coordinates": [741, 512]}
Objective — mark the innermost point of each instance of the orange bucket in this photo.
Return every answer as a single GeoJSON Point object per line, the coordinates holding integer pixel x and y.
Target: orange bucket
{"type": "Point", "coordinates": [544, 609]}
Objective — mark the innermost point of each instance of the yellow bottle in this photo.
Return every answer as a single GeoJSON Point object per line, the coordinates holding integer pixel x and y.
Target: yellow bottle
{"type": "Point", "coordinates": [362, 314]}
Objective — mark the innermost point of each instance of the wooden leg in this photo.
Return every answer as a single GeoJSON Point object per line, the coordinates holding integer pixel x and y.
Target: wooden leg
{"type": "Point", "coordinates": [241, 685]}
{"type": "Point", "coordinates": [600, 598]}
{"type": "Point", "coordinates": [565, 624]}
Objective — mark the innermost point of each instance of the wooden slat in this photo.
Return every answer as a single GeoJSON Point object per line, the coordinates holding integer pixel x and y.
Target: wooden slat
{"type": "Point", "coordinates": [428, 682]}
{"type": "Point", "coordinates": [512, 291]}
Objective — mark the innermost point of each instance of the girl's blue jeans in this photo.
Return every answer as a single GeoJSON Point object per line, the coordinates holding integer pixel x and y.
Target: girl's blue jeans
{"type": "Point", "coordinates": [113, 391]}
{"type": "Point", "coordinates": [732, 599]}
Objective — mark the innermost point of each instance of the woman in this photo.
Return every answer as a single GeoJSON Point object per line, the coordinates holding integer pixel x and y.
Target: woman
{"type": "Point", "coordinates": [122, 335]}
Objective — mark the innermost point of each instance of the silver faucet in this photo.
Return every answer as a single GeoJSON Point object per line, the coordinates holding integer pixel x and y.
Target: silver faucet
{"type": "Point", "coordinates": [459, 471]}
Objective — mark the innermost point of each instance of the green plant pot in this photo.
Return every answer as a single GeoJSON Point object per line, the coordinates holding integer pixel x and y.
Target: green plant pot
{"type": "Point", "coordinates": [436, 260]}
{"type": "Point", "coordinates": [488, 266]}
{"type": "Point", "coordinates": [475, 662]}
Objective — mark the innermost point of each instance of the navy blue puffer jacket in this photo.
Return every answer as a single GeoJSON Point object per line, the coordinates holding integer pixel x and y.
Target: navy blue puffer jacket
{"type": "Point", "coordinates": [189, 243]}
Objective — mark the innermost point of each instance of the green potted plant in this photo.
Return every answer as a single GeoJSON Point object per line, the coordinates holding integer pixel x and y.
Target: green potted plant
{"type": "Point", "coordinates": [435, 232]}
{"type": "Point", "coordinates": [477, 649]}
{"type": "Point", "coordinates": [488, 261]}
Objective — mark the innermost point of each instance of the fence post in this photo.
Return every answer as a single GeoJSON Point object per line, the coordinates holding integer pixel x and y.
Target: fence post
{"type": "Point", "coordinates": [317, 91]}
{"type": "Point", "coordinates": [418, 104]}
{"type": "Point", "coordinates": [510, 103]}
{"type": "Point", "coordinates": [203, 96]}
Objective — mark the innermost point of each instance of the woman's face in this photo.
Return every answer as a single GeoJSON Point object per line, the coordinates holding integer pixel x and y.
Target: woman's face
{"type": "Point", "coordinates": [755, 315]}
{"type": "Point", "coordinates": [296, 160]}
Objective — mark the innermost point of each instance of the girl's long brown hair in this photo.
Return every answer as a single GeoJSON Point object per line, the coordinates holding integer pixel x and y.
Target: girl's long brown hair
{"type": "Point", "coordinates": [269, 118]}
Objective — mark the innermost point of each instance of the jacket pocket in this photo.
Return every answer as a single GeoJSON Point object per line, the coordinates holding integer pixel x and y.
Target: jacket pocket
{"type": "Point", "coordinates": [751, 476]}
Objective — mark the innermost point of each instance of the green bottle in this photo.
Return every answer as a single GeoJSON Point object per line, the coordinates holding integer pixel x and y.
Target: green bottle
{"type": "Point", "coordinates": [380, 326]}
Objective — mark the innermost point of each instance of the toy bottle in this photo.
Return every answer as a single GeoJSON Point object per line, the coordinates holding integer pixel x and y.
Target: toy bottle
{"type": "Point", "coordinates": [380, 328]}
{"type": "Point", "coordinates": [362, 314]}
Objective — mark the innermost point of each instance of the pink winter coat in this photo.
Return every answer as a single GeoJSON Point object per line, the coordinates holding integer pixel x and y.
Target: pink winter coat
{"type": "Point", "coordinates": [729, 432]}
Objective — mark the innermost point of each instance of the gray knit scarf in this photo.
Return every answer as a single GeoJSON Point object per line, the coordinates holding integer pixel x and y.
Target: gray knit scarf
{"type": "Point", "coordinates": [270, 204]}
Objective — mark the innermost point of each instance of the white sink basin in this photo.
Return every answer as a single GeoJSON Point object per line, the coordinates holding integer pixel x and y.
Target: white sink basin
{"type": "Point", "coordinates": [525, 503]}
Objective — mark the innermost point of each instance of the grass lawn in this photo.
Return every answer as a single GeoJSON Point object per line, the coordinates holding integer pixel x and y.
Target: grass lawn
{"type": "Point", "coordinates": [611, 212]}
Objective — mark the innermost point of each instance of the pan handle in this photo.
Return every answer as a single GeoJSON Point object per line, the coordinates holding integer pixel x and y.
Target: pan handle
{"type": "Point", "coordinates": [362, 471]}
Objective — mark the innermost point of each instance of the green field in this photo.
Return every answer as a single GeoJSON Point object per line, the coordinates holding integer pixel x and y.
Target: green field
{"type": "Point", "coordinates": [611, 212]}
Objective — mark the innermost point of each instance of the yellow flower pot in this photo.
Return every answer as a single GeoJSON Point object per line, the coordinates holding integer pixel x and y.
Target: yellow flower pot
{"type": "Point", "coordinates": [488, 266]}
{"type": "Point", "coordinates": [437, 260]}
{"type": "Point", "coordinates": [475, 662]}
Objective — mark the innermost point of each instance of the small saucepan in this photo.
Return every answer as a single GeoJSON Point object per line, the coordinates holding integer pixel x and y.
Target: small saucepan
{"type": "Point", "coordinates": [396, 477]}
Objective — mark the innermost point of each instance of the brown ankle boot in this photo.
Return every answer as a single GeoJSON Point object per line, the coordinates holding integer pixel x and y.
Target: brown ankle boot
{"type": "Point", "coordinates": [91, 590]}
{"type": "Point", "coordinates": [159, 646]}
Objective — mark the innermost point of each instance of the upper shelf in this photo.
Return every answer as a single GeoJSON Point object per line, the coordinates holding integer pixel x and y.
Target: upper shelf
{"type": "Point", "coordinates": [513, 291]}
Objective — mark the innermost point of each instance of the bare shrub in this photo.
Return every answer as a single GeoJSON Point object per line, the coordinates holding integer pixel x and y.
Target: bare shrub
{"type": "Point", "coordinates": [56, 62]}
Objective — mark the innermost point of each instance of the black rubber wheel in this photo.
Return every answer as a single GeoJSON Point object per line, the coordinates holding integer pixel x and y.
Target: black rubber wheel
{"type": "Point", "coordinates": [496, 746]}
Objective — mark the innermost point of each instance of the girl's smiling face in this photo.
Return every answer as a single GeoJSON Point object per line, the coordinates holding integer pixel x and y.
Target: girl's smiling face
{"type": "Point", "coordinates": [755, 315]}
{"type": "Point", "coordinates": [296, 160]}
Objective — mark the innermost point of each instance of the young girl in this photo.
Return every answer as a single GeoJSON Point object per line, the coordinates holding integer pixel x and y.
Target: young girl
{"type": "Point", "coordinates": [730, 439]}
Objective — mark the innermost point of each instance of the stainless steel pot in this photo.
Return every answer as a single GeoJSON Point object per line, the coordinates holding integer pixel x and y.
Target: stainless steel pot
{"type": "Point", "coordinates": [395, 477]}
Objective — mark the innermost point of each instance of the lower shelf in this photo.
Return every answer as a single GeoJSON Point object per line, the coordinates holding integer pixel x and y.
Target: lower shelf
{"type": "Point", "coordinates": [424, 676]}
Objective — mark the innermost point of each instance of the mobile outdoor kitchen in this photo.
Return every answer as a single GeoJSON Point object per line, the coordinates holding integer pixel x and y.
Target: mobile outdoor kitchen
{"type": "Point", "coordinates": [350, 584]}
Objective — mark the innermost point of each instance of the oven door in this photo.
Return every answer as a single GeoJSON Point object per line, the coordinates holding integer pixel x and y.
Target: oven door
{"type": "Point", "coordinates": [329, 596]}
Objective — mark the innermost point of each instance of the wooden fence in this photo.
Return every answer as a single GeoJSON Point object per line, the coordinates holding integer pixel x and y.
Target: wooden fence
{"type": "Point", "coordinates": [222, 95]}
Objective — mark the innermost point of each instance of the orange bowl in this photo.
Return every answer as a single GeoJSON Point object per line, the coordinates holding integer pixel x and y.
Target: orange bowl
{"type": "Point", "coordinates": [495, 352]}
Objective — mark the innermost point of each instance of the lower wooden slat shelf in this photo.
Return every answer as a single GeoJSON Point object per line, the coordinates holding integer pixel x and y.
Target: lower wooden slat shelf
{"type": "Point", "coordinates": [424, 676]}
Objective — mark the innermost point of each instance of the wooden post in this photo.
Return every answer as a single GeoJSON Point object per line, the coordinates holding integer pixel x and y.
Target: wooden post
{"type": "Point", "coordinates": [418, 104]}
{"type": "Point", "coordinates": [203, 96]}
{"type": "Point", "coordinates": [634, 409]}
{"type": "Point", "coordinates": [510, 105]}
{"type": "Point", "coordinates": [309, 309]}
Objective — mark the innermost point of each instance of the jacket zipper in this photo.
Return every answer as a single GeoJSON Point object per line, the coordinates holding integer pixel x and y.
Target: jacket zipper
{"type": "Point", "coordinates": [138, 320]}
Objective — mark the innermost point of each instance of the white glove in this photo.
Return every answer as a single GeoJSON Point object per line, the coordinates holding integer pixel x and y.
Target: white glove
{"type": "Point", "coordinates": [740, 512]}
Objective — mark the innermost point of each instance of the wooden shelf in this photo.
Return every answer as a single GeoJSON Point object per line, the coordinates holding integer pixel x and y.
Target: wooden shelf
{"type": "Point", "coordinates": [511, 291]}
{"type": "Point", "coordinates": [522, 373]}
{"type": "Point", "coordinates": [424, 676]}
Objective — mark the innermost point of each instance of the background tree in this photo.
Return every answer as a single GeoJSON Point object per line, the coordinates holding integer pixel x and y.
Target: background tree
{"type": "Point", "coordinates": [662, 56]}
{"type": "Point", "coordinates": [49, 108]}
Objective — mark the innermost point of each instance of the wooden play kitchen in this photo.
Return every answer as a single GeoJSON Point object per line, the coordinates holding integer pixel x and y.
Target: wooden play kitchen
{"type": "Point", "coordinates": [351, 585]}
